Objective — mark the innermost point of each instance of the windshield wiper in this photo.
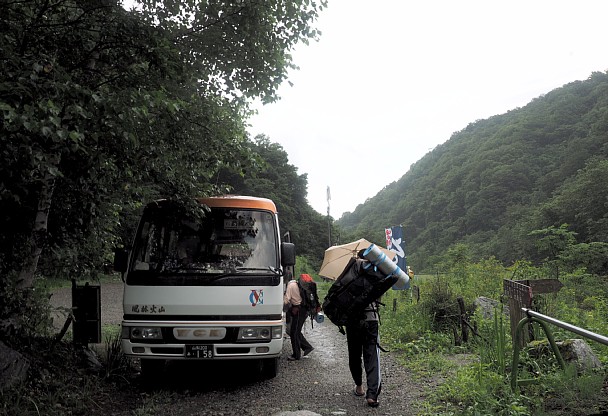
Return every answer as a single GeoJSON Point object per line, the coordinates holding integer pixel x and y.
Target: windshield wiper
{"type": "Point", "coordinates": [271, 269]}
{"type": "Point", "coordinates": [241, 271]}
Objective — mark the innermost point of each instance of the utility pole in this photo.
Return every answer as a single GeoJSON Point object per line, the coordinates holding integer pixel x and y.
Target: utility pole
{"type": "Point", "coordinates": [328, 217]}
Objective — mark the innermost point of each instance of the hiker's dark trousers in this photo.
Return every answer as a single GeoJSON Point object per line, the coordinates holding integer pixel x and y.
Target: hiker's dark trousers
{"type": "Point", "coordinates": [298, 342]}
{"type": "Point", "coordinates": [363, 342]}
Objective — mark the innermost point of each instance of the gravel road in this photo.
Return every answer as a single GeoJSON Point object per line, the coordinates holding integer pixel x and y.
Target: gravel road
{"type": "Point", "coordinates": [111, 304]}
{"type": "Point", "coordinates": [319, 384]}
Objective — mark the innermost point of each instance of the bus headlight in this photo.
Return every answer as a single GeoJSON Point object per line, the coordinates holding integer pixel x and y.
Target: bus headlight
{"type": "Point", "coordinates": [259, 333]}
{"type": "Point", "coordinates": [142, 332]}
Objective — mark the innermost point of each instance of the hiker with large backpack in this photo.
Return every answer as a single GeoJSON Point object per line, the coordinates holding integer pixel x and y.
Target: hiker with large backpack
{"type": "Point", "coordinates": [352, 303]}
{"type": "Point", "coordinates": [298, 310]}
{"type": "Point", "coordinates": [363, 341]}
{"type": "Point", "coordinates": [362, 337]}
{"type": "Point", "coordinates": [310, 297]}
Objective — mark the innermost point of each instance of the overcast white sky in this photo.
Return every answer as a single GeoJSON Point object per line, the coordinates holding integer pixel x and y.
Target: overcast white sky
{"type": "Point", "coordinates": [391, 79]}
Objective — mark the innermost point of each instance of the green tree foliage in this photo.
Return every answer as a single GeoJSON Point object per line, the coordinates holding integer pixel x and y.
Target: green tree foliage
{"type": "Point", "coordinates": [593, 257]}
{"type": "Point", "coordinates": [498, 179]}
{"type": "Point", "coordinates": [103, 109]}
{"type": "Point", "coordinates": [239, 48]}
{"type": "Point", "coordinates": [554, 240]}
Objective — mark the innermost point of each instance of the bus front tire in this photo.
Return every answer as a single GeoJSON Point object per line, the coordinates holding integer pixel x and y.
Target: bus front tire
{"type": "Point", "coordinates": [151, 368]}
{"type": "Point", "coordinates": [270, 368]}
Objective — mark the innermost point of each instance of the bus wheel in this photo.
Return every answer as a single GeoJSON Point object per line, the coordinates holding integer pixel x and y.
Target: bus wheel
{"type": "Point", "coordinates": [270, 367]}
{"type": "Point", "coordinates": [152, 369]}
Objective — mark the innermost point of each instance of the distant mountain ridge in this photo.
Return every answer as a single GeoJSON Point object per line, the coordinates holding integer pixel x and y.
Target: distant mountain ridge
{"type": "Point", "coordinates": [498, 179]}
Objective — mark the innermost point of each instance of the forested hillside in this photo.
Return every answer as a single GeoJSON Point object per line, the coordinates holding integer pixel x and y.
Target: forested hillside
{"type": "Point", "coordinates": [497, 180]}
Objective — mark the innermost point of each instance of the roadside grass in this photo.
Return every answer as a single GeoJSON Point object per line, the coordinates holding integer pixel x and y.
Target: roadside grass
{"type": "Point", "coordinates": [474, 378]}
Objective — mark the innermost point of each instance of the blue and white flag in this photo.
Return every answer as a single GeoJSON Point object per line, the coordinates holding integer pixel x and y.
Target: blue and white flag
{"type": "Point", "coordinates": [396, 242]}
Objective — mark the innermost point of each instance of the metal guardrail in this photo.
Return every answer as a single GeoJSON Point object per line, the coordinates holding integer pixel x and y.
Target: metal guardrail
{"type": "Point", "coordinates": [564, 325]}
{"type": "Point", "coordinates": [539, 318]}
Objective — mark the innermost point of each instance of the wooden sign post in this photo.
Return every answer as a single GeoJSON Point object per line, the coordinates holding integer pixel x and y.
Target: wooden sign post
{"type": "Point", "coordinates": [519, 295]}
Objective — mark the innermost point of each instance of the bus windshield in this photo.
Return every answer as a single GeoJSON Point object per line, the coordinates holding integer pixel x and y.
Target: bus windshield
{"type": "Point", "coordinates": [224, 241]}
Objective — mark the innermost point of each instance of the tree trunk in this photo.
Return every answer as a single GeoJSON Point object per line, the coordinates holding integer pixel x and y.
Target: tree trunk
{"type": "Point", "coordinates": [39, 230]}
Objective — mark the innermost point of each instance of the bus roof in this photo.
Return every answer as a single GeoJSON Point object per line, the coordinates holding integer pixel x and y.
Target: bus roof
{"type": "Point", "coordinates": [238, 201]}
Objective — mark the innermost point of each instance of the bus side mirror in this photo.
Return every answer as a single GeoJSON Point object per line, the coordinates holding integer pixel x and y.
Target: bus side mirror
{"type": "Point", "coordinates": [121, 259]}
{"type": "Point", "coordinates": [288, 254]}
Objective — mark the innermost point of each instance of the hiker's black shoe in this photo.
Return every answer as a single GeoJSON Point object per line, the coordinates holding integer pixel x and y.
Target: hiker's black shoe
{"type": "Point", "coordinates": [306, 352]}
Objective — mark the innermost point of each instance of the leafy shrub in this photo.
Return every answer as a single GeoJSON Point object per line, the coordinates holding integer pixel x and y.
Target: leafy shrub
{"type": "Point", "coordinates": [58, 383]}
{"type": "Point", "coordinates": [23, 313]}
{"type": "Point", "coordinates": [566, 392]}
{"type": "Point", "coordinates": [476, 390]}
{"type": "Point", "coordinates": [441, 306]}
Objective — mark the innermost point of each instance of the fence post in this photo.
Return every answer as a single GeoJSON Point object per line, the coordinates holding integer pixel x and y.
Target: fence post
{"type": "Point", "coordinates": [416, 293]}
{"type": "Point", "coordinates": [463, 317]}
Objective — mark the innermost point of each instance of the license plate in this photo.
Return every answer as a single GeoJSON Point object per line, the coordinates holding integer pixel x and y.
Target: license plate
{"type": "Point", "coordinates": [199, 351]}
